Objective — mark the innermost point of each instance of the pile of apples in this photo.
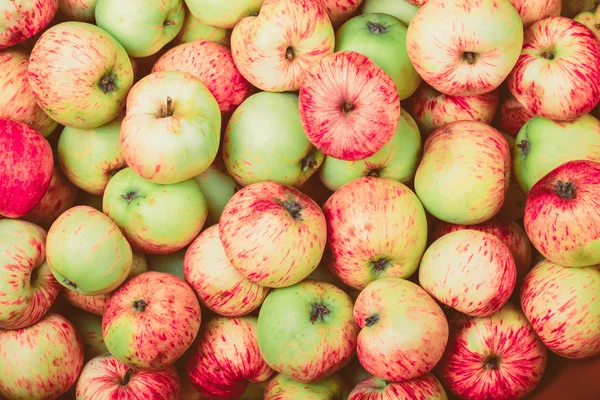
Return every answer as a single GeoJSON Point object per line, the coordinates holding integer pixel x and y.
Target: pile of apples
{"type": "Point", "coordinates": [297, 199]}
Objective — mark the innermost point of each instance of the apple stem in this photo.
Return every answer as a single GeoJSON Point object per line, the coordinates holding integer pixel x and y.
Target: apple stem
{"type": "Point", "coordinates": [374, 173]}
{"type": "Point", "coordinates": [470, 57]}
{"type": "Point", "coordinates": [380, 265]}
{"type": "Point", "coordinates": [548, 55]}
{"type": "Point", "coordinates": [318, 312]}
{"type": "Point", "coordinates": [289, 54]}
{"type": "Point", "coordinates": [169, 106]}
{"type": "Point", "coordinates": [69, 283]}
{"type": "Point", "coordinates": [308, 162]}
{"type": "Point", "coordinates": [140, 305]}
{"type": "Point", "coordinates": [293, 207]}
{"type": "Point", "coordinates": [127, 376]}
{"type": "Point", "coordinates": [108, 83]}
{"type": "Point", "coordinates": [376, 29]}
{"type": "Point", "coordinates": [525, 147]}
{"type": "Point", "coordinates": [565, 190]}
{"type": "Point", "coordinates": [372, 320]}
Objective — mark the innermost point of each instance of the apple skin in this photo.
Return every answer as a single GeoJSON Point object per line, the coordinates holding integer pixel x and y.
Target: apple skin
{"type": "Point", "coordinates": [464, 174]}
{"type": "Point", "coordinates": [400, 9]}
{"type": "Point", "coordinates": [212, 63]}
{"type": "Point", "coordinates": [151, 320]}
{"type": "Point", "coordinates": [590, 18]}
{"type": "Point", "coordinates": [22, 19]}
{"type": "Point", "coordinates": [561, 214]}
{"type": "Point", "coordinates": [349, 122]}
{"type": "Point", "coordinates": [544, 144]}
{"type": "Point", "coordinates": [278, 151]}
{"type": "Point", "coordinates": [170, 144]}
{"type": "Point", "coordinates": [339, 11]}
{"type": "Point", "coordinates": [533, 11]}
{"type": "Point", "coordinates": [25, 168]}
{"type": "Point", "coordinates": [563, 306]}
{"type": "Point", "coordinates": [72, 88]}
{"type": "Point", "coordinates": [493, 358]}
{"type": "Point", "coordinates": [299, 35]}
{"type": "Point", "coordinates": [425, 386]}
{"type": "Point", "coordinates": [89, 329]}
{"type": "Point", "coordinates": [17, 102]}
{"type": "Point", "coordinates": [78, 10]}
{"type": "Point", "coordinates": [330, 388]}
{"type": "Point", "coordinates": [570, 77]}
{"type": "Point", "coordinates": [432, 109]}
{"type": "Point", "coordinates": [193, 30]}
{"type": "Point", "coordinates": [41, 361]}
{"type": "Point", "coordinates": [306, 331]}
{"type": "Point", "coordinates": [87, 252]}
{"type": "Point", "coordinates": [223, 14]}
{"type": "Point", "coordinates": [273, 234]}
{"type": "Point", "coordinates": [382, 38]}
{"type": "Point", "coordinates": [484, 38]}
{"type": "Point", "coordinates": [90, 157]}
{"type": "Point", "coordinates": [218, 187]}
{"type": "Point", "coordinates": [387, 306]}
{"type": "Point", "coordinates": [511, 115]}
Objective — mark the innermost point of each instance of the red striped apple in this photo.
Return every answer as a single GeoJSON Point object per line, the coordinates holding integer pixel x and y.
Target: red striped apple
{"type": "Point", "coordinates": [534, 10]}
{"type": "Point", "coordinates": [22, 19]}
{"type": "Point", "coordinates": [340, 10]}
{"type": "Point", "coordinates": [511, 115]}
{"type": "Point", "coordinates": [425, 386]}
{"type": "Point", "coordinates": [590, 18]}
{"type": "Point", "coordinates": [330, 388]}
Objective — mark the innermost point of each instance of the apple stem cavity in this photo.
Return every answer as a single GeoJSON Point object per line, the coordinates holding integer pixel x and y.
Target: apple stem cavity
{"type": "Point", "coordinates": [130, 196]}
{"type": "Point", "coordinates": [169, 22]}
{"type": "Point", "coordinates": [34, 275]}
{"type": "Point", "coordinates": [525, 146]}
{"type": "Point", "coordinates": [347, 107]}
{"type": "Point", "coordinates": [374, 173]}
{"type": "Point", "coordinates": [140, 305]}
{"type": "Point", "coordinates": [289, 54]}
{"type": "Point", "coordinates": [318, 312]}
{"type": "Point", "coordinates": [469, 57]}
{"type": "Point", "coordinates": [376, 29]}
{"type": "Point", "coordinates": [372, 320]}
{"type": "Point", "coordinates": [294, 208]}
{"type": "Point", "coordinates": [548, 55]}
{"type": "Point", "coordinates": [308, 163]}
{"type": "Point", "coordinates": [127, 376]}
{"type": "Point", "coordinates": [167, 111]}
{"type": "Point", "coordinates": [70, 284]}
{"type": "Point", "coordinates": [108, 83]}
{"type": "Point", "coordinates": [565, 190]}
{"type": "Point", "coordinates": [492, 363]}
{"type": "Point", "coordinates": [380, 265]}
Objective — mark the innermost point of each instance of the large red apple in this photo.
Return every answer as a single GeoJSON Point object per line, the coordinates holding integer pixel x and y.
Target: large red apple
{"type": "Point", "coordinates": [22, 19]}
{"type": "Point", "coordinates": [534, 10]}
{"type": "Point", "coordinates": [425, 386]}
{"type": "Point", "coordinates": [511, 115]}
{"type": "Point", "coordinates": [349, 107]}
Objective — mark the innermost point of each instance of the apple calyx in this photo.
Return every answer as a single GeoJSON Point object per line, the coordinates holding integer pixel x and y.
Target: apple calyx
{"type": "Point", "coordinates": [108, 83]}
{"type": "Point", "coordinates": [34, 275]}
{"type": "Point", "coordinates": [524, 146]}
{"type": "Point", "coordinates": [289, 54]}
{"type": "Point", "coordinates": [126, 377]}
{"type": "Point", "coordinates": [374, 173]}
{"type": "Point", "coordinates": [166, 111]}
{"type": "Point", "coordinates": [548, 55]}
{"type": "Point", "coordinates": [308, 163]}
{"type": "Point", "coordinates": [376, 29]}
{"type": "Point", "coordinates": [130, 196]}
{"type": "Point", "coordinates": [469, 57]}
{"type": "Point", "coordinates": [294, 208]}
{"type": "Point", "coordinates": [140, 305]}
{"type": "Point", "coordinates": [492, 363]}
{"type": "Point", "coordinates": [347, 107]}
{"type": "Point", "coordinates": [169, 22]}
{"type": "Point", "coordinates": [372, 320]}
{"type": "Point", "coordinates": [70, 284]}
{"type": "Point", "coordinates": [380, 265]}
{"type": "Point", "coordinates": [318, 312]}
{"type": "Point", "coordinates": [565, 190]}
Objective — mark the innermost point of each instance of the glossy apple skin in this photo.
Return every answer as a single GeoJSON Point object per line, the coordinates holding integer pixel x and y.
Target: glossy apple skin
{"type": "Point", "coordinates": [89, 329]}
{"type": "Point", "coordinates": [561, 217]}
{"type": "Point", "coordinates": [491, 29]}
{"type": "Point", "coordinates": [226, 358]}
{"type": "Point", "coordinates": [493, 358]}
{"type": "Point", "coordinates": [25, 168]}
{"type": "Point", "coordinates": [329, 388]}
{"type": "Point", "coordinates": [349, 121]}
{"type": "Point", "coordinates": [69, 85]}
{"type": "Point", "coordinates": [425, 386]}
{"type": "Point", "coordinates": [432, 109]}
{"type": "Point", "coordinates": [400, 9]}
{"type": "Point", "coordinates": [218, 187]}
{"type": "Point", "coordinates": [386, 306]}
{"type": "Point", "coordinates": [591, 19]}
{"type": "Point", "coordinates": [264, 140]}
{"type": "Point", "coordinates": [41, 361]}
{"type": "Point", "coordinates": [193, 30]}
{"type": "Point", "coordinates": [299, 35]}
{"type": "Point", "coordinates": [273, 234]}
{"type": "Point", "coordinates": [464, 173]}
{"type": "Point", "coordinates": [212, 63]}
{"type": "Point", "coordinates": [223, 15]}
{"type": "Point", "coordinates": [511, 115]}
{"type": "Point", "coordinates": [563, 306]}
{"type": "Point", "coordinates": [22, 19]}
{"type": "Point", "coordinates": [78, 10]}
{"type": "Point", "coordinates": [533, 11]}
{"type": "Point", "coordinates": [392, 226]}
{"type": "Point", "coordinates": [570, 77]}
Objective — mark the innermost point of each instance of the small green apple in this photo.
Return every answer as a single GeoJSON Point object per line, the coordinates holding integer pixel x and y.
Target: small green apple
{"type": "Point", "coordinates": [89, 328]}
{"type": "Point", "coordinates": [218, 187]}
{"type": "Point", "coordinates": [400, 9]}
{"type": "Point", "coordinates": [223, 14]}
{"type": "Point", "coordinates": [193, 30]}
{"type": "Point", "coordinates": [171, 263]}
{"type": "Point", "coordinates": [331, 388]}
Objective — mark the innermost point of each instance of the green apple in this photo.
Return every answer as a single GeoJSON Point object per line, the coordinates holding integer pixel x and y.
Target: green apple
{"type": "Point", "coordinates": [331, 388]}
{"type": "Point", "coordinates": [223, 14]}
{"type": "Point", "coordinates": [193, 30]}
{"type": "Point", "coordinates": [397, 160]}
{"type": "Point", "coordinates": [143, 27]}
{"type": "Point", "coordinates": [218, 187]}
{"type": "Point", "coordinates": [400, 9]}
{"type": "Point", "coordinates": [543, 144]}
{"type": "Point", "coordinates": [89, 328]}
{"type": "Point", "coordinates": [171, 263]}
{"type": "Point", "coordinates": [87, 252]}
{"type": "Point", "coordinates": [156, 219]}
{"type": "Point", "coordinates": [382, 38]}
{"type": "Point", "coordinates": [264, 140]}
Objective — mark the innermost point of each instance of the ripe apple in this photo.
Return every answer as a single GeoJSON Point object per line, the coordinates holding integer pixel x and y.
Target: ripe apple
{"type": "Point", "coordinates": [273, 234]}
{"type": "Point", "coordinates": [41, 361]}
{"type": "Point", "coordinates": [73, 88]}
{"type": "Point", "coordinates": [172, 128]}
{"type": "Point", "coordinates": [349, 121]}
{"type": "Point", "coordinates": [464, 173]}
{"type": "Point", "coordinates": [89, 329]}
{"type": "Point", "coordinates": [534, 10]}
{"type": "Point", "coordinates": [570, 8]}
{"type": "Point", "coordinates": [223, 14]}
{"type": "Point", "coordinates": [17, 102]}
{"type": "Point", "coordinates": [22, 19]}
{"type": "Point", "coordinates": [87, 252]}
{"type": "Point", "coordinates": [511, 115]}
{"type": "Point", "coordinates": [171, 263]}
{"type": "Point", "coordinates": [212, 63]}
{"type": "Point", "coordinates": [496, 357]}
{"type": "Point", "coordinates": [590, 18]}
{"type": "Point", "coordinates": [382, 38]}
{"type": "Point", "coordinates": [90, 157]}
{"type": "Point", "coordinates": [432, 109]}
{"type": "Point", "coordinates": [563, 307]}
{"type": "Point", "coordinates": [218, 187]}
{"type": "Point", "coordinates": [391, 305]}
{"type": "Point", "coordinates": [226, 357]}
{"type": "Point", "coordinates": [329, 388]}
{"type": "Point", "coordinates": [26, 168]}
{"type": "Point", "coordinates": [559, 55]}
{"type": "Point", "coordinates": [306, 331]}
{"type": "Point", "coordinates": [264, 140]}
{"type": "Point", "coordinates": [78, 10]}
{"type": "Point", "coordinates": [299, 35]}
{"type": "Point", "coordinates": [425, 386]}
{"type": "Point", "coordinates": [392, 226]}
{"type": "Point", "coordinates": [193, 30]}
{"type": "Point", "coordinates": [401, 9]}
{"type": "Point", "coordinates": [339, 11]}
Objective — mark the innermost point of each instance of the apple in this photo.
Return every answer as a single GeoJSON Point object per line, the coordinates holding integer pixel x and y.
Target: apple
{"type": "Point", "coordinates": [511, 115]}
{"type": "Point", "coordinates": [264, 140]}
{"type": "Point", "coordinates": [534, 10]}
{"type": "Point", "coordinates": [90, 157]}
{"type": "Point", "coordinates": [590, 18]}
{"type": "Point", "coordinates": [223, 14]}
{"type": "Point", "coordinates": [330, 388]}
{"type": "Point", "coordinates": [544, 144]}
{"type": "Point", "coordinates": [273, 234]}
{"type": "Point", "coordinates": [561, 217]}
{"type": "Point", "coordinates": [570, 8]}
{"type": "Point", "coordinates": [392, 226]}
{"type": "Point", "coordinates": [73, 88]}
{"type": "Point", "coordinates": [496, 357]}
{"type": "Point", "coordinates": [425, 386]}
{"type": "Point", "coordinates": [41, 361]}
{"type": "Point", "coordinates": [212, 63]}
{"type": "Point", "coordinates": [218, 187]}
{"type": "Point", "coordinates": [78, 10]}
{"type": "Point", "coordinates": [299, 35]}
{"type": "Point", "coordinates": [464, 173]}
{"type": "Point", "coordinates": [193, 30]}
{"type": "Point", "coordinates": [172, 128]}
{"type": "Point", "coordinates": [566, 51]}
{"type": "Point", "coordinates": [87, 252]}
{"type": "Point", "coordinates": [401, 9]}
{"type": "Point", "coordinates": [171, 263]}
{"type": "Point", "coordinates": [89, 329]}
{"type": "Point", "coordinates": [22, 19]}
{"type": "Point", "coordinates": [563, 307]}
{"type": "Point", "coordinates": [306, 331]}
{"type": "Point", "coordinates": [349, 121]}
{"type": "Point", "coordinates": [218, 285]}
{"type": "Point", "coordinates": [391, 305]}
{"type": "Point", "coordinates": [17, 102]}
{"type": "Point", "coordinates": [432, 109]}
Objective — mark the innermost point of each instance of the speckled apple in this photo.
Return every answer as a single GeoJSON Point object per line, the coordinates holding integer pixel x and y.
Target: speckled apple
{"type": "Point", "coordinates": [22, 19]}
